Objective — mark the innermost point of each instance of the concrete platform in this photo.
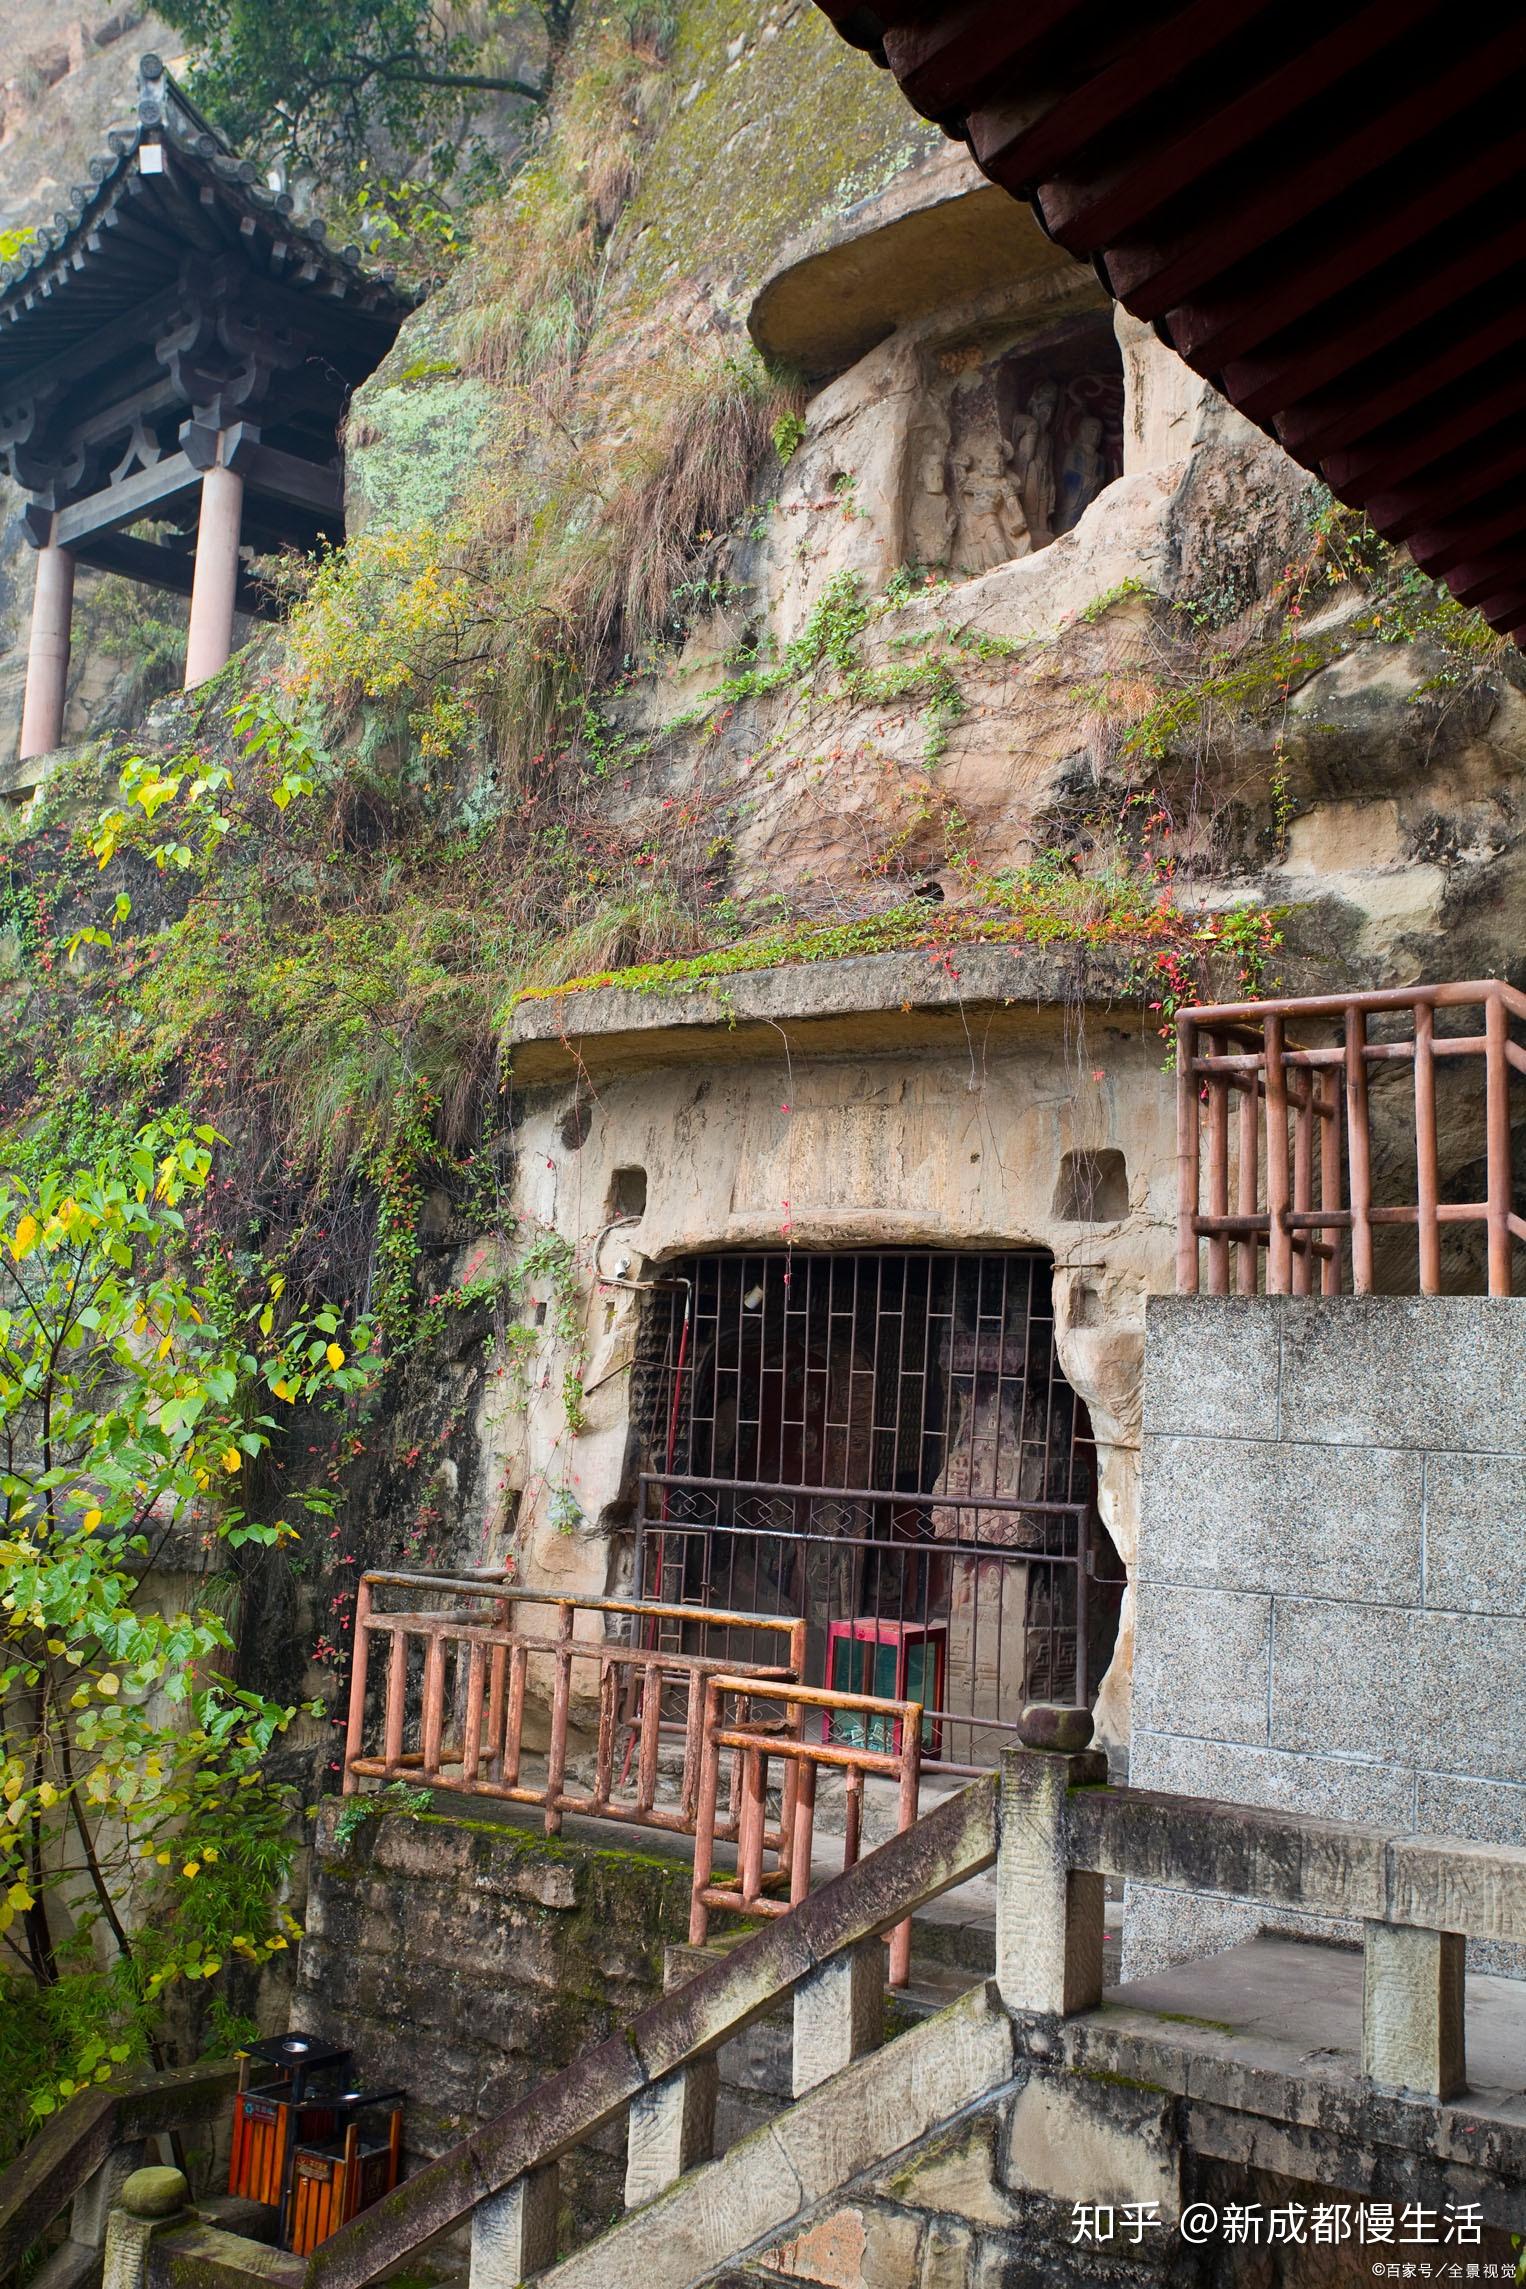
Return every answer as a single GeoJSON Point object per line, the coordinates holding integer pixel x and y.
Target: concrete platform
{"type": "Point", "coordinates": [1294, 2007]}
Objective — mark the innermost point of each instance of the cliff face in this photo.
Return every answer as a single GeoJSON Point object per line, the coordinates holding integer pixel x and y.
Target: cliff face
{"type": "Point", "coordinates": [969, 616]}
{"type": "Point", "coordinates": [1326, 734]}
{"type": "Point", "coordinates": [1147, 660]}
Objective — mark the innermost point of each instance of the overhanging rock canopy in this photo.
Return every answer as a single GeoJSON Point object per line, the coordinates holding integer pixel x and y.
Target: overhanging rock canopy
{"type": "Point", "coordinates": [1320, 212]}
{"type": "Point", "coordinates": [178, 323]}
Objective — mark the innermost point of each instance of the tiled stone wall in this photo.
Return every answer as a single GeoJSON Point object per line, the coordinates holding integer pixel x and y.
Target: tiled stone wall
{"type": "Point", "coordinates": [1331, 1583]}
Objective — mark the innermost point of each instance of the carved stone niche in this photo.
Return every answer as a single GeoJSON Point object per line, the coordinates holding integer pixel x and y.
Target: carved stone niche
{"type": "Point", "coordinates": [1033, 433]}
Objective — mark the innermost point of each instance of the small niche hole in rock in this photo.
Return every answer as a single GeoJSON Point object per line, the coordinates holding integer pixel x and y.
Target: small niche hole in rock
{"type": "Point", "coordinates": [627, 1193]}
{"type": "Point", "coordinates": [577, 1125]}
{"type": "Point", "coordinates": [1093, 1187]}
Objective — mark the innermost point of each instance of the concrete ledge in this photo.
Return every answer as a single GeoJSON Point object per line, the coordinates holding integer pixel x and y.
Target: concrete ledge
{"type": "Point", "coordinates": [894, 1002]}
{"type": "Point", "coordinates": [199, 2254]}
{"type": "Point", "coordinates": [1263, 2044]}
{"type": "Point", "coordinates": [1286, 1859]}
{"type": "Point", "coordinates": [939, 235]}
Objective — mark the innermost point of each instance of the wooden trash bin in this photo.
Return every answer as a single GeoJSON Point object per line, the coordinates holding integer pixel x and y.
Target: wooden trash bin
{"type": "Point", "coordinates": [333, 2180]}
{"type": "Point", "coordinates": [270, 2119]}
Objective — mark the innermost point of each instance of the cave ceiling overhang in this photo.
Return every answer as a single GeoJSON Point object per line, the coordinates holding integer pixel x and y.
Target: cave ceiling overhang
{"type": "Point", "coordinates": [178, 311]}
{"type": "Point", "coordinates": [940, 237]}
{"type": "Point", "coordinates": [858, 1005]}
{"type": "Point", "coordinates": [1321, 214]}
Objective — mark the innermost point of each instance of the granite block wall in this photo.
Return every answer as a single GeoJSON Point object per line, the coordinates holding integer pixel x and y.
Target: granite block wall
{"type": "Point", "coordinates": [1331, 1585]}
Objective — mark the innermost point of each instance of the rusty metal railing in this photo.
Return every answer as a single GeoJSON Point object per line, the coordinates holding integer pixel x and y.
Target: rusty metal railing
{"type": "Point", "coordinates": [1296, 1152]}
{"type": "Point", "coordinates": [994, 1587]}
{"type": "Point", "coordinates": [754, 1743]}
{"type": "Point", "coordinates": [456, 1683]}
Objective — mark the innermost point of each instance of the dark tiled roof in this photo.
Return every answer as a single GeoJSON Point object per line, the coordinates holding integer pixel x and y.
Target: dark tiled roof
{"type": "Point", "coordinates": [125, 234]}
{"type": "Point", "coordinates": [1321, 211]}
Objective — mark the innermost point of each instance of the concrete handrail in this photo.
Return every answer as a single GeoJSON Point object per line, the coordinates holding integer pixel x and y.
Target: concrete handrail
{"type": "Point", "coordinates": [1419, 1900]}
{"type": "Point", "coordinates": [1057, 1830]}
{"type": "Point", "coordinates": [667, 2039]}
{"type": "Point", "coordinates": [56, 2165]}
{"type": "Point", "coordinates": [1292, 1860]}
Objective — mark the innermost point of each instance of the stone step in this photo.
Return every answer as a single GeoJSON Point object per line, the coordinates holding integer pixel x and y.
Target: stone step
{"type": "Point", "coordinates": [724, 2212]}
{"type": "Point", "coordinates": [73, 2265]}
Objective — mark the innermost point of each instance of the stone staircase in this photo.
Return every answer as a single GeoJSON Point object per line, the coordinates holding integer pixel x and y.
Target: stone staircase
{"type": "Point", "coordinates": [956, 2149]}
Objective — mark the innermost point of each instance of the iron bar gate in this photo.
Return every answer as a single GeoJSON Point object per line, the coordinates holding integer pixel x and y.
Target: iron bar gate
{"type": "Point", "coordinates": [883, 1444]}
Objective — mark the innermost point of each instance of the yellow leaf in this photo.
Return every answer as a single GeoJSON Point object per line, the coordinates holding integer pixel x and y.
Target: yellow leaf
{"type": "Point", "coordinates": [164, 1347]}
{"type": "Point", "coordinates": [191, 1868]}
{"type": "Point", "coordinates": [91, 1520]}
{"type": "Point", "coordinates": [232, 1459]}
{"type": "Point", "coordinates": [24, 1238]}
{"type": "Point", "coordinates": [162, 1858]}
{"type": "Point", "coordinates": [283, 1389]}
{"type": "Point", "coordinates": [19, 1898]}
{"type": "Point", "coordinates": [107, 1684]}
{"type": "Point", "coordinates": [47, 1794]}
{"type": "Point", "coordinates": [210, 1853]}
{"type": "Point", "coordinates": [334, 1355]}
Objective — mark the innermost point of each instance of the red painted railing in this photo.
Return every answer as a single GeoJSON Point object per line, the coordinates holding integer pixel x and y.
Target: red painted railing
{"type": "Point", "coordinates": [1275, 1137]}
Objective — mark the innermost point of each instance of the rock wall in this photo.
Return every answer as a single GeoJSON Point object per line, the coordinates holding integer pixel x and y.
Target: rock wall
{"type": "Point", "coordinates": [825, 1133]}
{"type": "Point", "coordinates": [1374, 803]}
{"type": "Point", "coordinates": [1331, 1603]}
{"type": "Point", "coordinates": [467, 1961]}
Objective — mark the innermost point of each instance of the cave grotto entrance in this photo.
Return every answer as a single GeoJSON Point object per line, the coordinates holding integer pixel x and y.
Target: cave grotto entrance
{"type": "Point", "coordinates": [884, 1443]}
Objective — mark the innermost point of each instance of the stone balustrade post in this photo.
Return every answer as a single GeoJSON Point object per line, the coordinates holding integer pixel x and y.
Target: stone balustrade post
{"type": "Point", "coordinates": [514, 2232]}
{"type": "Point", "coordinates": [149, 2202]}
{"type": "Point", "coordinates": [1049, 1915]}
{"type": "Point", "coordinates": [839, 2014]}
{"type": "Point", "coordinates": [672, 2127]}
{"type": "Point", "coordinates": [1414, 2009]}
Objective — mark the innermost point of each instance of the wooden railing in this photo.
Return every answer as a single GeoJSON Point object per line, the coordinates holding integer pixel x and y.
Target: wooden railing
{"type": "Point", "coordinates": [465, 1707]}
{"type": "Point", "coordinates": [1288, 1172]}
{"type": "Point", "coordinates": [463, 1702]}
{"type": "Point", "coordinates": [80, 2155]}
{"type": "Point", "coordinates": [752, 1743]}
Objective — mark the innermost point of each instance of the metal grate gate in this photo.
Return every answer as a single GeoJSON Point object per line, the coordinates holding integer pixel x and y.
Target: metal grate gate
{"type": "Point", "coordinates": [884, 1444]}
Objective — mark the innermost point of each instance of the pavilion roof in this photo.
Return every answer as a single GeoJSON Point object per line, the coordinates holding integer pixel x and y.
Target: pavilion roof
{"type": "Point", "coordinates": [1320, 210]}
{"type": "Point", "coordinates": [164, 188]}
